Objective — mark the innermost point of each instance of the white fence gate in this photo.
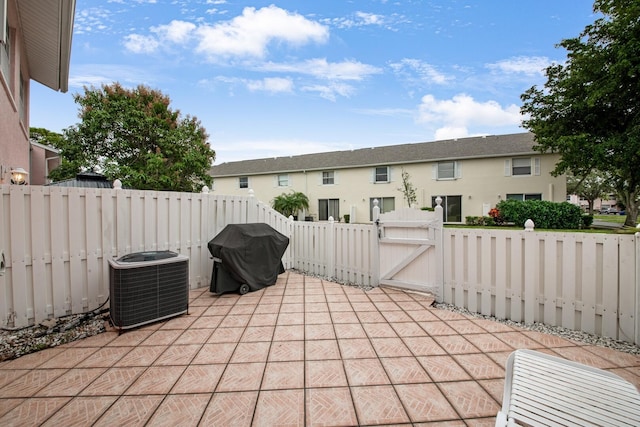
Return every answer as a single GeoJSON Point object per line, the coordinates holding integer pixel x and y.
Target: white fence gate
{"type": "Point", "coordinates": [410, 250]}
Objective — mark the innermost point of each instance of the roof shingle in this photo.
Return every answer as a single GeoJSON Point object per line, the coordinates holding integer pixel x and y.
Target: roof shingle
{"type": "Point", "coordinates": [452, 149]}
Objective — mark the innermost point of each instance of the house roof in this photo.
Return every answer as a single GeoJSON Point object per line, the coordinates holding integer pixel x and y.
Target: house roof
{"type": "Point", "coordinates": [452, 149]}
{"type": "Point", "coordinates": [47, 27]}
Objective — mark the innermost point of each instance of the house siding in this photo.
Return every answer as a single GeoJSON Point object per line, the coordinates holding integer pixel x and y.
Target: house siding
{"type": "Point", "coordinates": [14, 134]}
{"type": "Point", "coordinates": [481, 183]}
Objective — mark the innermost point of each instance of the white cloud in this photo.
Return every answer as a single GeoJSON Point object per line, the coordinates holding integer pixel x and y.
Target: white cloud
{"type": "Point", "coordinates": [364, 19]}
{"type": "Point", "coordinates": [137, 43]}
{"type": "Point", "coordinates": [98, 74]}
{"type": "Point", "coordinates": [454, 117]}
{"type": "Point", "coordinates": [331, 91]}
{"type": "Point", "coordinates": [178, 32]}
{"type": "Point", "coordinates": [249, 34]}
{"type": "Point", "coordinates": [417, 71]}
{"type": "Point", "coordinates": [92, 19]}
{"type": "Point", "coordinates": [321, 68]}
{"type": "Point", "coordinates": [528, 65]}
{"type": "Point", "coordinates": [271, 84]}
{"type": "Point", "coordinates": [370, 18]}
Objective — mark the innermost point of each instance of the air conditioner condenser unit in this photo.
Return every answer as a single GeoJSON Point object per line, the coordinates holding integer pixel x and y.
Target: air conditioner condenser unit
{"type": "Point", "coordinates": [145, 287]}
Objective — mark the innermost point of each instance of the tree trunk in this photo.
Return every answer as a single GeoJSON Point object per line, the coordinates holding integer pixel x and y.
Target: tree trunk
{"type": "Point", "coordinates": [632, 207]}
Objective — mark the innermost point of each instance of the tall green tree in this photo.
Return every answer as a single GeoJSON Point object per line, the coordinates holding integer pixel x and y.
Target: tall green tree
{"type": "Point", "coordinates": [133, 135]}
{"type": "Point", "coordinates": [591, 187]}
{"type": "Point", "coordinates": [44, 136]}
{"type": "Point", "coordinates": [588, 110]}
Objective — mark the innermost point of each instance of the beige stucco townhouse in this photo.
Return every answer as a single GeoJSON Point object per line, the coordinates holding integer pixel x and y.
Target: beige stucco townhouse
{"type": "Point", "coordinates": [470, 174]}
{"type": "Point", "coordinates": [35, 44]}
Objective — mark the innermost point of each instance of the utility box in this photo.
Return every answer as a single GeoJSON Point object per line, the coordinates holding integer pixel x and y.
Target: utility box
{"type": "Point", "coordinates": [145, 287]}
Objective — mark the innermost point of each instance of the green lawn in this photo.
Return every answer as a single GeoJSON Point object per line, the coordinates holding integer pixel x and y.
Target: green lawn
{"type": "Point", "coordinates": [618, 219]}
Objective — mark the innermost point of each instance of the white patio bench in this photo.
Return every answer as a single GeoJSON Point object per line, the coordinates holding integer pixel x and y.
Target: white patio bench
{"type": "Point", "coordinates": [543, 390]}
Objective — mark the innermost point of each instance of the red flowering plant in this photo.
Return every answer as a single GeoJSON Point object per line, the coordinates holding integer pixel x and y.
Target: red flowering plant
{"type": "Point", "coordinates": [497, 217]}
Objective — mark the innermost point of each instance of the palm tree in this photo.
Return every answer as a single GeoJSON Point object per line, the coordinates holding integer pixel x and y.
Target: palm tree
{"type": "Point", "coordinates": [289, 204]}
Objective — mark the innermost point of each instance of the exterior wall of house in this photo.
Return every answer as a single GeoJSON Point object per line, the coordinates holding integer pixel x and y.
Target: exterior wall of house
{"type": "Point", "coordinates": [14, 119]}
{"type": "Point", "coordinates": [43, 161]}
{"type": "Point", "coordinates": [480, 183]}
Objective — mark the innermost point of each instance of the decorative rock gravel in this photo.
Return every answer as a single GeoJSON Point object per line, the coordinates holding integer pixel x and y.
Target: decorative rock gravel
{"type": "Point", "coordinates": [578, 336]}
{"type": "Point", "coordinates": [49, 333]}
{"type": "Point", "coordinates": [54, 332]}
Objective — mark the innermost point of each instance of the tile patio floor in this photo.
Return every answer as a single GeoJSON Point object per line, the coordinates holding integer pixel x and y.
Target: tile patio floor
{"type": "Point", "coordinates": [302, 352]}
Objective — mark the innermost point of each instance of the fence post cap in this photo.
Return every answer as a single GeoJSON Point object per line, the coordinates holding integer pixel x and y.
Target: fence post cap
{"type": "Point", "coordinates": [117, 184]}
{"type": "Point", "coordinates": [205, 189]}
{"type": "Point", "coordinates": [251, 192]}
{"type": "Point", "coordinates": [528, 225]}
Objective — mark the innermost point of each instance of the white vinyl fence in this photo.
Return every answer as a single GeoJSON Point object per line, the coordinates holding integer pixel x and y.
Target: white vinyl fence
{"type": "Point", "coordinates": [55, 243]}
{"type": "Point", "coordinates": [580, 281]}
{"type": "Point", "coordinates": [343, 252]}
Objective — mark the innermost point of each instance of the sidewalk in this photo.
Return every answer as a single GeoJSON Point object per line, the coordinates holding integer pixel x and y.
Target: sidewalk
{"type": "Point", "coordinates": [302, 352]}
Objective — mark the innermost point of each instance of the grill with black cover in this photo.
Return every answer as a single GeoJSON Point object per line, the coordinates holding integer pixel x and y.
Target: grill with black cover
{"type": "Point", "coordinates": [246, 257]}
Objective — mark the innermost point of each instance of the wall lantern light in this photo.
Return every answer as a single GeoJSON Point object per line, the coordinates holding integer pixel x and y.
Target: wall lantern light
{"type": "Point", "coordinates": [19, 176]}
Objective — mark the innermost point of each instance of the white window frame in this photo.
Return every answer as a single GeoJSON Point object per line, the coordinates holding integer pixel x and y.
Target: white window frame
{"type": "Point", "coordinates": [5, 46]}
{"type": "Point", "coordinates": [332, 209]}
{"type": "Point", "coordinates": [328, 177]}
{"type": "Point", "coordinates": [457, 171]}
{"type": "Point", "coordinates": [375, 175]}
{"type": "Point", "coordinates": [534, 166]}
{"type": "Point", "coordinates": [240, 181]}
{"type": "Point", "coordinates": [282, 180]}
{"type": "Point", "coordinates": [524, 196]}
{"type": "Point", "coordinates": [4, 21]}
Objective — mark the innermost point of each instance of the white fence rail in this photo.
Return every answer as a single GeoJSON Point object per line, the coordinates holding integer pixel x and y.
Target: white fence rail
{"type": "Point", "coordinates": [579, 281]}
{"type": "Point", "coordinates": [56, 242]}
{"type": "Point", "coordinates": [342, 252]}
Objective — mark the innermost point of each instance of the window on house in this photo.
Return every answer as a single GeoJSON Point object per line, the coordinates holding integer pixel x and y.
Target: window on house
{"type": "Point", "coordinates": [521, 197]}
{"type": "Point", "coordinates": [328, 178]}
{"type": "Point", "coordinates": [447, 170]}
{"type": "Point", "coordinates": [451, 207]}
{"type": "Point", "coordinates": [521, 166]}
{"type": "Point", "coordinates": [327, 208]}
{"type": "Point", "coordinates": [386, 204]}
{"type": "Point", "coordinates": [382, 174]}
{"type": "Point", "coordinates": [5, 49]}
{"type": "Point", "coordinates": [283, 180]}
{"type": "Point", "coordinates": [243, 182]}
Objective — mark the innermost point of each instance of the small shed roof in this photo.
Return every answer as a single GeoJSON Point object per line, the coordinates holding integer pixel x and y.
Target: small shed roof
{"type": "Point", "coordinates": [85, 180]}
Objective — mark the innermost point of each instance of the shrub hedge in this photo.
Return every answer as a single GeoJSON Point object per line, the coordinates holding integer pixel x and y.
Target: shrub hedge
{"type": "Point", "coordinates": [544, 214]}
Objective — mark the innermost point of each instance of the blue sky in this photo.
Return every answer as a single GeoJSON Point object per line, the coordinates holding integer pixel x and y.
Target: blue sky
{"type": "Point", "coordinates": [280, 78]}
